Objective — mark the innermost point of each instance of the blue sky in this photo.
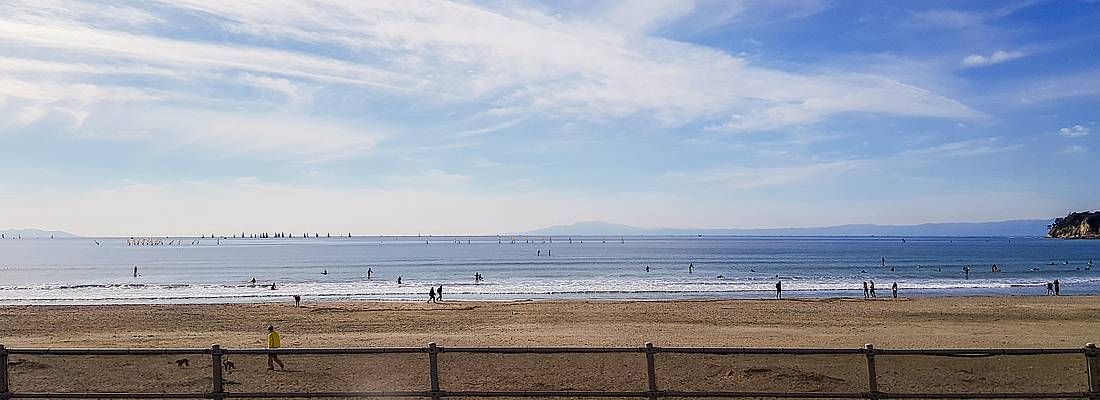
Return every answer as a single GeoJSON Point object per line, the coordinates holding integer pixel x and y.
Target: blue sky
{"type": "Point", "coordinates": [198, 116]}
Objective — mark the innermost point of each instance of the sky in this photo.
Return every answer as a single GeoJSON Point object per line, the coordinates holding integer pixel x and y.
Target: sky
{"type": "Point", "coordinates": [404, 117]}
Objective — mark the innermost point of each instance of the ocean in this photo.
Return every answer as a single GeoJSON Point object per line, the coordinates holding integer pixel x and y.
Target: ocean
{"type": "Point", "coordinates": [193, 270]}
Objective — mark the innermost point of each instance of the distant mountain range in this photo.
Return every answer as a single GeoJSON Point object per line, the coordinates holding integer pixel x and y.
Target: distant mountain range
{"type": "Point", "coordinates": [1022, 227]}
{"type": "Point", "coordinates": [35, 234]}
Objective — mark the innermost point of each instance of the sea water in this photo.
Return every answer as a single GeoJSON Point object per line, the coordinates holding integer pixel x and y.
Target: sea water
{"type": "Point", "coordinates": [193, 270]}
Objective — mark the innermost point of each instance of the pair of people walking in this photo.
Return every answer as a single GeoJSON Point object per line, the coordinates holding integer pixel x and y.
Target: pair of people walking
{"type": "Point", "coordinates": [435, 296]}
{"type": "Point", "coordinates": [869, 290]}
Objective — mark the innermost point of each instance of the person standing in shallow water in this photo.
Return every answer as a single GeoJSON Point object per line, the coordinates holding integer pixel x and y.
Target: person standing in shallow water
{"type": "Point", "coordinates": [779, 290]}
{"type": "Point", "coordinates": [873, 289]}
{"type": "Point", "coordinates": [1057, 288]}
{"type": "Point", "coordinates": [866, 291]}
{"type": "Point", "coordinates": [894, 288]}
{"type": "Point", "coordinates": [297, 301]}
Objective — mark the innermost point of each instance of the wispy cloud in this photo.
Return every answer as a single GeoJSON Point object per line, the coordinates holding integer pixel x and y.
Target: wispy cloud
{"type": "Point", "coordinates": [1076, 85]}
{"type": "Point", "coordinates": [972, 147]}
{"type": "Point", "coordinates": [1074, 131]}
{"type": "Point", "coordinates": [997, 57]}
{"type": "Point", "coordinates": [1075, 149]}
{"type": "Point", "coordinates": [505, 62]}
{"type": "Point", "coordinates": [475, 132]}
{"type": "Point", "coordinates": [865, 93]}
{"type": "Point", "coordinates": [431, 178]}
{"type": "Point", "coordinates": [742, 177]}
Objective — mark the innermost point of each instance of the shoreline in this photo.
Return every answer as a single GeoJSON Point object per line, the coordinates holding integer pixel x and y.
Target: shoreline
{"type": "Point", "coordinates": [1016, 290]}
{"type": "Point", "coordinates": [340, 299]}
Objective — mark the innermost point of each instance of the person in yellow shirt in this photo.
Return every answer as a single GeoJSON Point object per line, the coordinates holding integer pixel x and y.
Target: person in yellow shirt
{"type": "Point", "coordinates": [273, 342]}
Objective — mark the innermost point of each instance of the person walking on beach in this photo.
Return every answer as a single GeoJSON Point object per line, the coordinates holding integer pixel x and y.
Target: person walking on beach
{"type": "Point", "coordinates": [369, 273]}
{"type": "Point", "coordinates": [779, 290]}
{"type": "Point", "coordinates": [866, 291]}
{"type": "Point", "coordinates": [297, 301]}
{"type": "Point", "coordinates": [1057, 288]}
{"type": "Point", "coordinates": [894, 288]}
{"type": "Point", "coordinates": [273, 342]}
{"type": "Point", "coordinates": [873, 289]}
{"type": "Point", "coordinates": [431, 295]}
{"type": "Point", "coordinates": [439, 293]}
{"type": "Point", "coordinates": [1050, 288]}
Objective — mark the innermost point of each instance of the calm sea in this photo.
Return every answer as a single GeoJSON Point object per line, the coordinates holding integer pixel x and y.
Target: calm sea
{"type": "Point", "coordinates": [191, 270]}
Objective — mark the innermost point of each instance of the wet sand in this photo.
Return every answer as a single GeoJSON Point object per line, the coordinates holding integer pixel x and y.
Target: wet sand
{"type": "Point", "coordinates": [987, 322]}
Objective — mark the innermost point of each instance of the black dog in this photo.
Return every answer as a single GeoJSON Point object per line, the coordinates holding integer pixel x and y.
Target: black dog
{"type": "Point", "coordinates": [228, 365]}
{"type": "Point", "coordinates": [182, 363]}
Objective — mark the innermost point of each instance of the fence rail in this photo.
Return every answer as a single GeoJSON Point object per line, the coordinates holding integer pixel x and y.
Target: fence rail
{"type": "Point", "coordinates": [436, 392]}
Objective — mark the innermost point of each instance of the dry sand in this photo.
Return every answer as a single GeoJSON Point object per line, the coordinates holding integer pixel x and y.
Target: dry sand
{"type": "Point", "coordinates": [995, 322]}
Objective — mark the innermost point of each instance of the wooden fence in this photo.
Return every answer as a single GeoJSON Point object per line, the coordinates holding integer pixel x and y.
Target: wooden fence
{"type": "Point", "coordinates": [433, 390]}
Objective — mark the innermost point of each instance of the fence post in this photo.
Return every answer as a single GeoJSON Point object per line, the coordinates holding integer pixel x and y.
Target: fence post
{"type": "Point", "coordinates": [1092, 359]}
{"type": "Point", "coordinates": [872, 373]}
{"type": "Point", "coordinates": [5, 391]}
{"type": "Point", "coordinates": [216, 361]}
{"type": "Point", "coordinates": [651, 369]}
{"type": "Point", "coordinates": [433, 369]}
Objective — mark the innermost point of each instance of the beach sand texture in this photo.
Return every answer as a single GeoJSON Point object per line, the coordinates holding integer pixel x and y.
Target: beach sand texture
{"type": "Point", "coordinates": [985, 322]}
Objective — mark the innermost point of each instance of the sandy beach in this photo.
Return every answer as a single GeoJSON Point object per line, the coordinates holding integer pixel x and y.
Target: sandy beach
{"type": "Point", "coordinates": [995, 322]}
{"type": "Point", "coordinates": [902, 323]}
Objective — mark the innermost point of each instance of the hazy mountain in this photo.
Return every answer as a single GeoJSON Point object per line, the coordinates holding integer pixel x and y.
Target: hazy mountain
{"type": "Point", "coordinates": [35, 234]}
{"type": "Point", "coordinates": [592, 228]}
{"type": "Point", "coordinates": [1023, 227]}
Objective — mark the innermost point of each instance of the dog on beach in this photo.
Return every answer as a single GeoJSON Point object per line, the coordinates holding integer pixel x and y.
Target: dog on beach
{"type": "Point", "coordinates": [228, 366]}
{"type": "Point", "coordinates": [182, 363]}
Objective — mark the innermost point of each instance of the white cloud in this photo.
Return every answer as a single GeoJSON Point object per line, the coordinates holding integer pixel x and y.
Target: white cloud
{"type": "Point", "coordinates": [475, 132]}
{"type": "Point", "coordinates": [1075, 149]}
{"type": "Point", "coordinates": [999, 56]}
{"type": "Point", "coordinates": [948, 18]}
{"type": "Point", "coordinates": [866, 94]}
{"type": "Point", "coordinates": [1073, 85]}
{"type": "Point", "coordinates": [742, 178]}
{"type": "Point", "coordinates": [432, 178]}
{"type": "Point", "coordinates": [972, 147]}
{"type": "Point", "coordinates": [1074, 131]}
{"type": "Point", "coordinates": [228, 134]}
{"type": "Point", "coordinates": [511, 62]}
